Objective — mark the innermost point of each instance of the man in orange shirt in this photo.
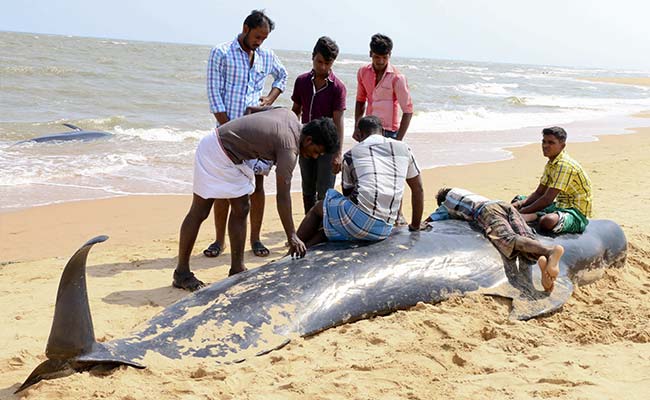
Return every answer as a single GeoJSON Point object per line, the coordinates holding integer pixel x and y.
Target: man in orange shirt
{"type": "Point", "coordinates": [383, 87]}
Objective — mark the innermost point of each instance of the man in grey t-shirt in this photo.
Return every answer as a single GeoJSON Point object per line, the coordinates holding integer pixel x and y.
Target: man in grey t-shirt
{"type": "Point", "coordinates": [221, 173]}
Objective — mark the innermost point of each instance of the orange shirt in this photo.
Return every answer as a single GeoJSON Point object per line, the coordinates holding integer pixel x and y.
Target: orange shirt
{"type": "Point", "coordinates": [383, 98]}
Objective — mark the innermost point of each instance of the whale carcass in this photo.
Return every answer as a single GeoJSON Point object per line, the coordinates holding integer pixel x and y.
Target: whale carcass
{"type": "Point", "coordinates": [260, 310]}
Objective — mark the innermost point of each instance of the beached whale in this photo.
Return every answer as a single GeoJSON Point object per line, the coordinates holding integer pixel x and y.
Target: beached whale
{"type": "Point", "coordinates": [76, 134]}
{"type": "Point", "coordinates": [260, 310]}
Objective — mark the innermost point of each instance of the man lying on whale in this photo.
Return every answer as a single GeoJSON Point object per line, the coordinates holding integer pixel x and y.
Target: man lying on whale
{"type": "Point", "coordinates": [373, 176]}
{"type": "Point", "coordinates": [503, 225]}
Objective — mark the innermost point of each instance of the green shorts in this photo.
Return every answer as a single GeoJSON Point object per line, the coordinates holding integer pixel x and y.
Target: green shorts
{"type": "Point", "coordinates": [571, 219]}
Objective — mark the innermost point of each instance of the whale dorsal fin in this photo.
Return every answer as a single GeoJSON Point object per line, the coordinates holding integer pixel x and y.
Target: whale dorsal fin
{"type": "Point", "coordinates": [74, 127]}
{"type": "Point", "coordinates": [72, 330]}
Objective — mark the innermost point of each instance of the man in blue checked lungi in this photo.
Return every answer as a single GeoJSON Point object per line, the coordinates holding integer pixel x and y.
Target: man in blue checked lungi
{"type": "Point", "coordinates": [373, 176]}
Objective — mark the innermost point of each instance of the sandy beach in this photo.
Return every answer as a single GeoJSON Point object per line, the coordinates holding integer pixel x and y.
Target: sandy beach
{"type": "Point", "coordinates": [596, 346]}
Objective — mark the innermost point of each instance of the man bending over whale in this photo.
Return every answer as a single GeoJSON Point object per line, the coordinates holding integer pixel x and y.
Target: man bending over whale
{"type": "Point", "coordinates": [221, 173]}
{"type": "Point", "coordinates": [373, 176]}
{"type": "Point", "coordinates": [503, 225]}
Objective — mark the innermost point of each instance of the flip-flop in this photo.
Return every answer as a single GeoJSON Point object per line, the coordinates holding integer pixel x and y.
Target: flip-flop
{"type": "Point", "coordinates": [213, 250]}
{"type": "Point", "coordinates": [259, 249]}
{"type": "Point", "coordinates": [187, 281]}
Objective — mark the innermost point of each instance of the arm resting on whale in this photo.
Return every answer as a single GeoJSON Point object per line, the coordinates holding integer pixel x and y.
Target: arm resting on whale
{"type": "Point", "coordinates": [417, 201]}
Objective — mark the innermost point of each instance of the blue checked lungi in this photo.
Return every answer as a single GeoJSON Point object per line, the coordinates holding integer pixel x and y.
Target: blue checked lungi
{"type": "Point", "coordinates": [344, 220]}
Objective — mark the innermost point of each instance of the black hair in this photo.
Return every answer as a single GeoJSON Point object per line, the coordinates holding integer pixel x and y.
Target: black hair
{"type": "Point", "coordinates": [556, 131]}
{"type": "Point", "coordinates": [381, 44]}
{"type": "Point", "coordinates": [442, 195]}
{"type": "Point", "coordinates": [257, 18]}
{"type": "Point", "coordinates": [323, 132]}
{"type": "Point", "coordinates": [327, 48]}
{"type": "Point", "coordinates": [369, 125]}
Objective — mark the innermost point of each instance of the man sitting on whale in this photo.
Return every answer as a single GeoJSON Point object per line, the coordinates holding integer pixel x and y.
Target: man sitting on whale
{"type": "Point", "coordinates": [562, 201]}
{"type": "Point", "coordinates": [503, 225]}
{"type": "Point", "coordinates": [373, 176]}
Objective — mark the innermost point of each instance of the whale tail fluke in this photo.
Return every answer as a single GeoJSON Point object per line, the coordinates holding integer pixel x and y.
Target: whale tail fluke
{"type": "Point", "coordinates": [71, 346]}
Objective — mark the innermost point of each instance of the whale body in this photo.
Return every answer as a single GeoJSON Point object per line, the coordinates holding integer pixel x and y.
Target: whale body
{"type": "Point", "coordinates": [260, 310]}
{"type": "Point", "coordinates": [76, 134]}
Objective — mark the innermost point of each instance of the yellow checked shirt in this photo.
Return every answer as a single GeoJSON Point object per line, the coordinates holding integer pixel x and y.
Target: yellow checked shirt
{"type": "Point", "coordinates": [566, 174]}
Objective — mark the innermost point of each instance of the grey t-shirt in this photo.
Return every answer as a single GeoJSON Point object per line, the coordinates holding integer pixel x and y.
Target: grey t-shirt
{"type": "Point", "coordinates": [271, 135]}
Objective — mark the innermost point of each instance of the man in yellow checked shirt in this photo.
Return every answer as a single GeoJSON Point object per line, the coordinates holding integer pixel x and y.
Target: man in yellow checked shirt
{"type": "Point", "coordinates": [562, 201]}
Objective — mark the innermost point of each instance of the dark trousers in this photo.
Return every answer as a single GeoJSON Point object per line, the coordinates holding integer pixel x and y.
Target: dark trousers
{"type": "Point", "coordinates": [317, 177]}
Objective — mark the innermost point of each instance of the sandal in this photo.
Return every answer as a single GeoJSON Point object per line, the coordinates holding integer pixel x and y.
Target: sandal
{"type": "Point", "coordinates": [213, 250]}
{"type": "Point", "coordinates": [259, 249]}
{"type": "Point", "coordinates": [187, 281]}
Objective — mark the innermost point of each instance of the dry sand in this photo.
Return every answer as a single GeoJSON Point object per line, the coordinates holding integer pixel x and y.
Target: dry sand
{"type": "Point", "coordinates": [597, 346]}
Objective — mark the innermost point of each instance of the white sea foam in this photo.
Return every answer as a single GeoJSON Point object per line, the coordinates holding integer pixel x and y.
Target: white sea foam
{"type": "Point", "coordinates": [487, 89]}
{"type": "Point", "coordinates": [347, 61]}
{"type": "Point", "coordinates": [608, 105]}
{"type": "Point", "coordinates": [165, 134]}
{"type": "Point", "coordinates": [477, 119]}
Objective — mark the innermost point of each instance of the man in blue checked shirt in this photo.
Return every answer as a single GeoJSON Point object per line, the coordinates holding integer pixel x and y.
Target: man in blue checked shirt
{"type": "Point", "coordinates": [236, 74]}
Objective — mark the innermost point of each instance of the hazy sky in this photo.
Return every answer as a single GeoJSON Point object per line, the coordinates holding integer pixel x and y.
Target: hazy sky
{"type": "Point", "coordinates": [592, 33]}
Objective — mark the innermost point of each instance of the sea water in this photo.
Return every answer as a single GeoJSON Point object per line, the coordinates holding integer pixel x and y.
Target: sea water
{"type": "Point", "coordinates": [152, 98]}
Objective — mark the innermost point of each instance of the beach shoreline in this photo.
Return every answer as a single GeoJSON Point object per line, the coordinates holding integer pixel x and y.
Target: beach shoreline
{"type": "Point", "coordinates": [93, 211]}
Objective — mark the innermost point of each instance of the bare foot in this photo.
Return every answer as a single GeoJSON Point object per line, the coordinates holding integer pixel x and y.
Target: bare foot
{"type": "Point", "coordinates": [550, 268]}
{"type": "Point", "coordinates": [553, 266]}
{"type": "Point", "coordinates": [232, 272]}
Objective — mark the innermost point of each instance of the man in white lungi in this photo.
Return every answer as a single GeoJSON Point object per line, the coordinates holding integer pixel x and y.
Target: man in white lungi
{"type": "Point", "coordinates": [220, 172]}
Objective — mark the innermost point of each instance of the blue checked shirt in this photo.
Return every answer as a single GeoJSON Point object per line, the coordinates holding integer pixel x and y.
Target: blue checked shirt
{"type": "Point", "coordinates": [233, 84]}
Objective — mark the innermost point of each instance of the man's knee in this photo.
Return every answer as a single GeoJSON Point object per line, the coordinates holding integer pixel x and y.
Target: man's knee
{"type": "Point", "coordinates": [240, 207]}
{"type": "Point", "coordinates": [318, 209]}
{"type": "Point", "coordinates": [548, 222]}
{"type": "Point", "coordinates": [221, 206]}
{"type": "Point", "coordinates": [199, 212]}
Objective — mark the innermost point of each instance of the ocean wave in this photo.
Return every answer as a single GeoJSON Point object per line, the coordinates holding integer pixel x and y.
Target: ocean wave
{"type": "Point", "coordinates": [476, 119]}
{"type": "Point", "coordinates": [612, 105]}
{"type": "Point", "coordinates": [516, 101]}
{"type": "Point", "coordinates": [46, 70]}
{"type": "Point", "coordinates": [347, 61]}
{"type": "Point", "coordinates": [487, 89]}
{"type": "Point", "coordinates": [165, 134]}
{"type": "Point", "coordinates": [46, 169]}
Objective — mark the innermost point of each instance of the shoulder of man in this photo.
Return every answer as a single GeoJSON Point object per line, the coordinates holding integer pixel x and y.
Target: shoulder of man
{"type": "Point", "coordinates": [265, 52]}
{"type": "Point", "coordinates": [364, 68]}
{"type": "Point", "coordinates": [398, 76]}
{"type": "Point", "coordinates": [337, 81]}
{"type": "Point", "coordinates": [224, 47]}
{"type": "Point", "coordinates": [566, 161]}
{"type": "Point", "coordinates": [347, 157]}
{"type": "Point", "coordinates": [305, 76]}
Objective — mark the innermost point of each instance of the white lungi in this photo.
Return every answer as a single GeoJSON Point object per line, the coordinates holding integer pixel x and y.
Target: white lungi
{"type": "Point", "coordinates": [216, 176]}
